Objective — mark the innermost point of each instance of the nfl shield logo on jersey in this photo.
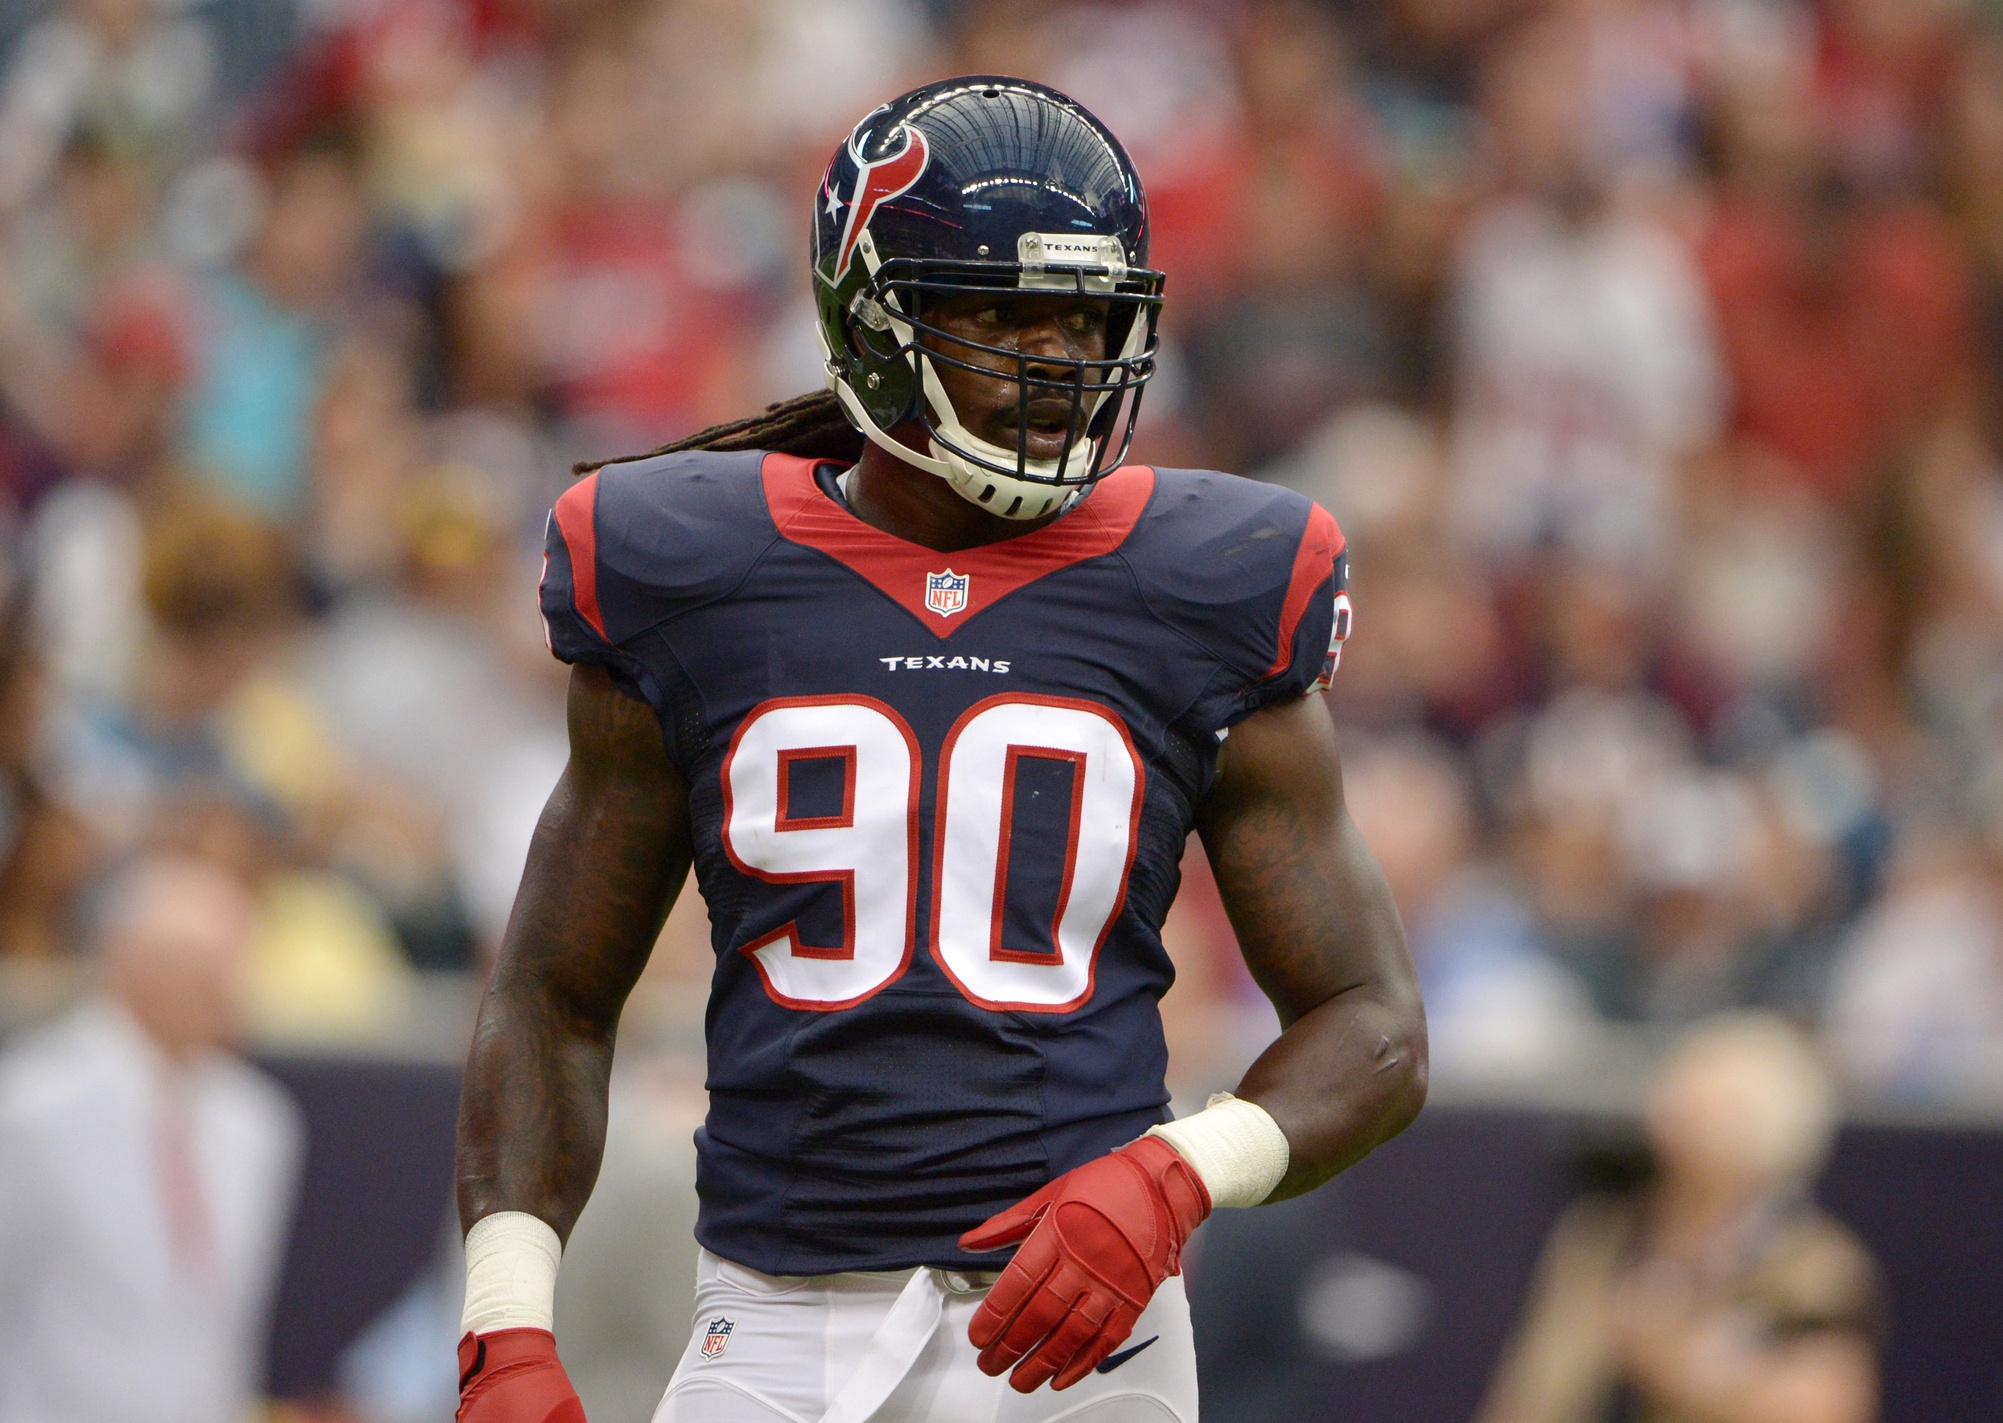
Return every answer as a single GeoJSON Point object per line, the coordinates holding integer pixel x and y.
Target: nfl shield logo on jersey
{"type": "Point", "coordinates": [946, 593]}
{"type": "Point", "coordinates": [716, 1336]}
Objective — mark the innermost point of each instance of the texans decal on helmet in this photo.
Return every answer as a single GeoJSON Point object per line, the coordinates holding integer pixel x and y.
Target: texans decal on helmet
{"type": "Point", "coordinates": [879, 182]}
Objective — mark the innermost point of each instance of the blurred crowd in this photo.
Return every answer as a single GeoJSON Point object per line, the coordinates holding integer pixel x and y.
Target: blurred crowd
{"type": "Point", "coordinates": [1650, 353]}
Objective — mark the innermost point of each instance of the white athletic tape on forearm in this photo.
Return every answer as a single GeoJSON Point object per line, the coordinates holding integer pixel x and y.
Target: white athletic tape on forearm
{"type": "Point", "coordinates": [1236, 1148]}
{"type": "Point", "coordinates": [511, 1260]}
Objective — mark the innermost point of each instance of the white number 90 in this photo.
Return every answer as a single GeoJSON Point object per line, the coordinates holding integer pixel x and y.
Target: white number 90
{"type": "Point", "coordinates": [870, 846]}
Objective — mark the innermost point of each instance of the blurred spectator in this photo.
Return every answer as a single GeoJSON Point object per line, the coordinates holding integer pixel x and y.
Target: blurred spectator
{"type": "Point", "coordinates": [1881, 75]}
{"type": "Point", "coordinates": [1582, 347]}
{"type": "Point", "coordinates": [1722, 1293]}
{"type": "Point", "coordinates": [440, 685]}
{"type": "Point", "coordinates": [1566, 778]}
{"type": "Point", "coordinates": [114, 420]}
{"type": "Point", "coordinates": [1439, 652]}
{"type": "Point", "coordinates": [1916, 1005]}
{"type": "Point", "coordinates": [1296, 329]}
{"type": "Point", "coordinates": [1954, 618]}
{"type": "Point", "coordinates": [1845, 310]}
{"type": "Point", "coordinates": [1975, 188]}
{"type": "Point", "coordinates": [135, 73]}
{"type": "Point", "coordinates": [1690, 842]}
{"type": "Point", "coordinates": [367, 444]}
{"type": "Point", "coordinates": [218, 586]}
{"type": "Point", "coordinates": [261, 334]}
{"type": "Point", "coordinates": [1642, 60]}
{"type": "Point", "coordinates": [637, 307]}
{"type": "Point", "coordinates": [1496, 1000]}
{"type": "Point", "coordinates": [1770, 581]}
{"type": "Point", "coordinates": [95, 224]}
{"type": "Point", "coordinates": [146, 1173]}
{"type": "Point", "coordinates": [47, 852]}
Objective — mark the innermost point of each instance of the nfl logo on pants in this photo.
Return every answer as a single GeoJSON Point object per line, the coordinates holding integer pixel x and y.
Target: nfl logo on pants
{"type": "Point", "coordinates": [946, 593]}
{"type": "Point", "coordinates": [716, 1336]}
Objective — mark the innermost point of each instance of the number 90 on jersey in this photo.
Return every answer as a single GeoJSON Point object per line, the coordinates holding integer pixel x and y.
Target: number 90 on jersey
{"type": "Point", "coordinates": [869, 845]}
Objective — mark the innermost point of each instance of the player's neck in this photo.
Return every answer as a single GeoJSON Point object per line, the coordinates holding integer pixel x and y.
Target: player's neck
{"type": "Point", "coordinates": [921, 508]}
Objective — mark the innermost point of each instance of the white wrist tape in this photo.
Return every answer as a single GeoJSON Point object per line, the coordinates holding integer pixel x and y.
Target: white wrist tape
{"type": "Point", "coordinates": [511, 1260]}
{"type": "Point", "coordinates": [1235, 1148]}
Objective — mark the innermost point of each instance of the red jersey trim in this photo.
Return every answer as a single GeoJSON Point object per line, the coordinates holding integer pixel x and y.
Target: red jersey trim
{"type": "Point", "coordinates": [576, 517]}
{"type": "Point", "coordinates": [805, 515]}
{"type": "Point", "coordinates": [1321, 542]}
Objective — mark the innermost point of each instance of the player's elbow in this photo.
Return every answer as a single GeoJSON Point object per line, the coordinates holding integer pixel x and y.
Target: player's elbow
{"type": "Point", "coordinates": [1412, 1100]}
{"type": "Point", "coordinates": [1404, 1057]}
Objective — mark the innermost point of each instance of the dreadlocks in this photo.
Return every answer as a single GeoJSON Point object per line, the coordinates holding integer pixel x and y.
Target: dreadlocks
{"type": "Point", "coordinates": [809, 425]}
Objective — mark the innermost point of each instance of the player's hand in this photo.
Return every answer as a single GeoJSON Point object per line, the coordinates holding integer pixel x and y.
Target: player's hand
{"type": "Point", "coordinates": [1096, 1244]}
{"type": "Point", "coordinates": [513, 1376]}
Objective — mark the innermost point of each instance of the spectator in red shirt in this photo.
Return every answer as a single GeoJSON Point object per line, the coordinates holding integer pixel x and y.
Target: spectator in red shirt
{"type": "Point", "coordinates": [1845, 315]}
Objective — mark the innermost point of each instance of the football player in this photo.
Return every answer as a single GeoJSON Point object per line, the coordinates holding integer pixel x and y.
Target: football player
{"type": "Point", "coordinates": [930, 688]}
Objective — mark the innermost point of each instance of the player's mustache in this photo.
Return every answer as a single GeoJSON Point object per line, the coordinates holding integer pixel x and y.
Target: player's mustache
{"type": "Point", "coordinates": [1048, 413]}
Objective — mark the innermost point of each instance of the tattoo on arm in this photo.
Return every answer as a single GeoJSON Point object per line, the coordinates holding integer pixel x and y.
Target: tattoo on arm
{"type": "Point", "coordinates": [609, 855]}
{"type": "Point", "coordinates": [1320, 933]}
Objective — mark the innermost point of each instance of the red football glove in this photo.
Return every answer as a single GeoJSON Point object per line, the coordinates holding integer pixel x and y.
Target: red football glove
{"type": "Point", "coordinates": [512, 1376]}
{"type": "Point", "coordinates": [1096, 1244]}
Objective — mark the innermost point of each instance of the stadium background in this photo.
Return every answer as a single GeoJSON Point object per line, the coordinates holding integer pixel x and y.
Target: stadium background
{"type": "Point", "coordinates": [1648, 351]}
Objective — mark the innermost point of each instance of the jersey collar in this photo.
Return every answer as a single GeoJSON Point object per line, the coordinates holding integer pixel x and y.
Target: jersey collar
{"type": "Point", "coordinates": [903, 572]}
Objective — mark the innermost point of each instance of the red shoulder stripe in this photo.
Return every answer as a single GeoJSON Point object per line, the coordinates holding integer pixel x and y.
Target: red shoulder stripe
{"type": "Point", "coordinates": [1314, 560]}
{"type": "Point", "coordinates": [575, 518]}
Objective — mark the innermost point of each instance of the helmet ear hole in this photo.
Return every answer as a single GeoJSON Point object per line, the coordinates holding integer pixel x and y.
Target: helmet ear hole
{"type": "Point", "coordinates": [868, 344]}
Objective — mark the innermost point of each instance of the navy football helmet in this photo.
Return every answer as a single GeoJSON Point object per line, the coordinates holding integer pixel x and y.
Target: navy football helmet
{"type": "Point", "coordinates": [976, 184]}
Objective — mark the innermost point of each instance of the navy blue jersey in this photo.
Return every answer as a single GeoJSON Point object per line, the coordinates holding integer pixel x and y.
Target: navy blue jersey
{"type": "Point", "coordinates": [938, 803]}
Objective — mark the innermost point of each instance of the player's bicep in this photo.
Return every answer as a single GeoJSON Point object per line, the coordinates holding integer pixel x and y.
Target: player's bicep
{"type": "Point", "coordinates": [610, 853]}
{"type": "Point", "coordinates": [1312, 912]}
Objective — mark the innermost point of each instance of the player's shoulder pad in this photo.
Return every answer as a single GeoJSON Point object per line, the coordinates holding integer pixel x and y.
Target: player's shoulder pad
{"type": "Point", "coordinates": [1237, 566]}
{"type": "Point", "coordinates": [638, 542]}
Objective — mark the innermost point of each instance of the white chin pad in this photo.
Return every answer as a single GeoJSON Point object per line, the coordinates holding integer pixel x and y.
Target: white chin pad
{"type": "Point", "coordinates": [1005, 494]}
{"type": "Point", "coordinates": [958, 454]}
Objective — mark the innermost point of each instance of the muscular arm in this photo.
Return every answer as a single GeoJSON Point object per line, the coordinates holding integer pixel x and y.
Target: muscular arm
{"type": "Point", "coordinates": [608, 858]}
{"type": "Point", "coordinates": [1318, 929]}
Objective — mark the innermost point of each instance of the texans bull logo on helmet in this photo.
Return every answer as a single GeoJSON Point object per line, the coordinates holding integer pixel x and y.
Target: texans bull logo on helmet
{"type": "Point", "coordinates": [876, 183]}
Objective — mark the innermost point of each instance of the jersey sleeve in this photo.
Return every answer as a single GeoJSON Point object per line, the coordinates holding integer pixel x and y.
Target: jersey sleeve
{"type": "Point", "coordinates": [573, 617]}
{"type": "Point", "coordinates": [1253, 574]}
{"type": "Point", "coordinates": [1314, 617]}
{"type": "Point", "coordinates": [636, 545]}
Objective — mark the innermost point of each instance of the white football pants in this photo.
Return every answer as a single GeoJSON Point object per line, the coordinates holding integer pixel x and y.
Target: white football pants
{"type": "Point", "coordinates": [891, 1347]}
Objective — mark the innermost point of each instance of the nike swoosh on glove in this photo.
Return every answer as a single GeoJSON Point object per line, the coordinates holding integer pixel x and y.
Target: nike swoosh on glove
{"type": "Point", "coordinates": [514, 1376]}
{"type": "Point", "coordinates": [1096, 1244]}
